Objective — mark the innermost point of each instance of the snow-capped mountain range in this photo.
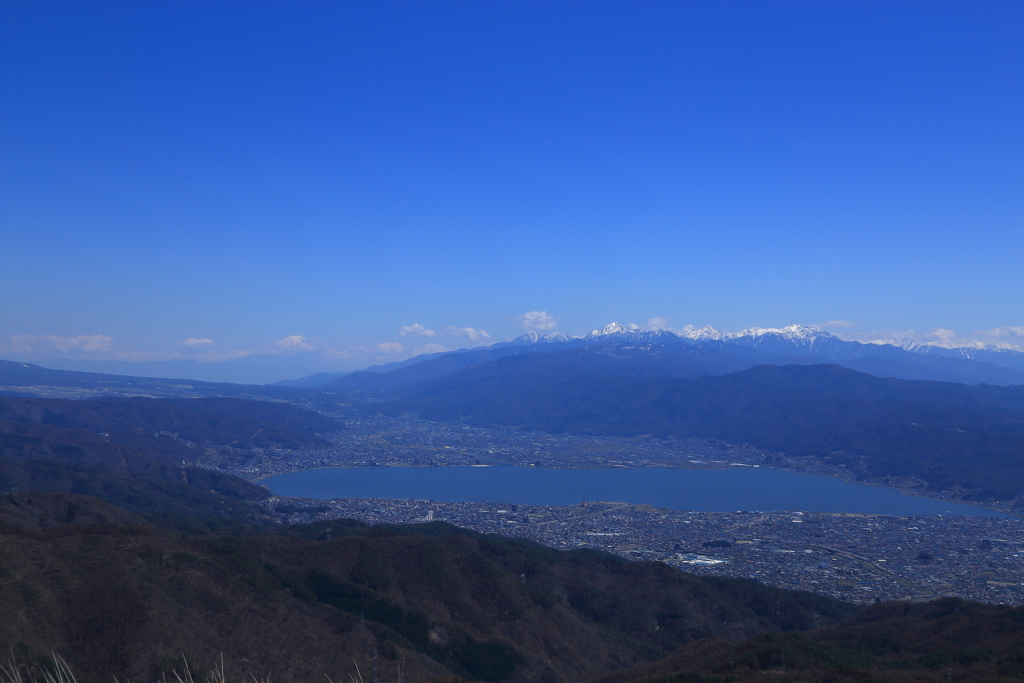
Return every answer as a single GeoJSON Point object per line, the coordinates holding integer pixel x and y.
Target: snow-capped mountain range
{"type": "Point", "coordinates": [711, 351]}
{"type": "Point", "coordinates": [799, 336]}
{"type": "Point", "coordinates": [792, 340]}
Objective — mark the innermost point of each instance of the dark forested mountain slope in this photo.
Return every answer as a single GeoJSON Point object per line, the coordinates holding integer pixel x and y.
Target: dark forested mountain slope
{"type": "Point", "coordinates": [943, 640]}
{"type": "Point", "coordinates": [953, 436]}
{"type": "Point", "coordinates": [592, 361]}
{"type": "Point", "coordinates": [835, 382]}
{"type": "Point", "coordinates": [425, 370]}
{"type": "Point", "coordinates": [47, 509]}
{"type": "Point", "coordinates": [128, 601]}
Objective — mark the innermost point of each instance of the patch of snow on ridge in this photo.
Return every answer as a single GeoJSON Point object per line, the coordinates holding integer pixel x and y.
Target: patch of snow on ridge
{"type": "Point", "coordinates": [706, 333]}
{"type": "Point", "coordinates": [807, 337]}
{"type": "Point", "coordinates": [904, 343]}
{"type": "Point", "coordinates": [964, 345]}
{"type": "Point", "coordinates": [792, 332]}
{"type": "Point", "coordinates": [617, 332]}
{"type": "Point", "coordinates": [613, 328]}
{"type": "Point", "coordinates": [538, 338]}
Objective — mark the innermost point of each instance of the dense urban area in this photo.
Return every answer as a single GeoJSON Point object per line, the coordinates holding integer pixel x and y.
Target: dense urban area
{"type": "Point", "coordinates": [379, 441]}
{"type": "Point", "coordinates": [859, 558]}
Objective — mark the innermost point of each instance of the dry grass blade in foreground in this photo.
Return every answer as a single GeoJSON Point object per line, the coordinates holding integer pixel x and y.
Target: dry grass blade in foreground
{"type": "Point", "coordinates": [61, 672]}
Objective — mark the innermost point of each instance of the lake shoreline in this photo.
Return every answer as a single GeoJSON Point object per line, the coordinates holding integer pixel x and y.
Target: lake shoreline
{"type": "Point", "coordinates": [780, 490]}
{"type": "Point", "coordinates": [850, 479]}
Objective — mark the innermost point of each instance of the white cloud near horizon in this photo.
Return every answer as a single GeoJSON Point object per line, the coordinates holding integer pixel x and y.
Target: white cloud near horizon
{"type": "Point", "coordinates": [292, 344]}
{"type": "Point", "coordinates": [1005, 332]}
{"type": "Point", "coordinates": [467, 332]}
{"type": "Point", "coordinates": [389, 348]}
{"type": "Point", "coordinates": [537, 321]}
{"type": "Point", "coordinates": [49, 344]}
{"type": "Point", "coordinates": [659, 323]}
{"type": "Point", "coordinates": [416, 330]}
{"type": "Point", "coordinates": [194, 344]}
{"type": "Point", "coordinates": [999, 337]}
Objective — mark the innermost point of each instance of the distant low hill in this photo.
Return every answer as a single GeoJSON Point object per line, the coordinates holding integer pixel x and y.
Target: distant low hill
{"type": "Point", "coordinates": [318, 379]}
{"type": "Point", "coordinates": [953, 436]}
{"type": "Point", "coordinates": [166, 431]}
{"type": "Point", "coordinates": [140, 453]}
{"type": "Point", "coordinates": [188, 499]}
{"type": "Point", "coordinates": [26, 380]}
{"type": "Point", "coordinates": [13, 373]}
{"type": "Point", "coordinates": [408, 375]}
{"type": "Point", "coordinates": [128, 601]}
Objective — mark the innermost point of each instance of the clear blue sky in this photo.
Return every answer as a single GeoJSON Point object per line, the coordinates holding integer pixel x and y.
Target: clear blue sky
{"type": "Point", "coordinates": [241, 172]}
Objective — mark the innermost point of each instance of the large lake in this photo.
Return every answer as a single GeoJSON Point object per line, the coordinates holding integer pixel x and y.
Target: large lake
{"type": "Point", "coordinates": [739, 488]}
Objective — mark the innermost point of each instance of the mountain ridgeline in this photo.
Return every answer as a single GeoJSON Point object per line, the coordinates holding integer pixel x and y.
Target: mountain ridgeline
{"type": "Point", "coordinates": [960, 437]}
{"type": "Point", "coordinates": [953, 436]}
{"type": "Point", "coordinates": [710, 352]}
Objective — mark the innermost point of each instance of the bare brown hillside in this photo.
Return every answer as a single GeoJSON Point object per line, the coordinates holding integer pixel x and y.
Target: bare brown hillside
{"type": "Point", "coordinates": [128, 601]}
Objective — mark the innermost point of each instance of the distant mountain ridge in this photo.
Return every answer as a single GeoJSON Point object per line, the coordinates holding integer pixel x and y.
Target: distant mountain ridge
{"type": "Point", "coordinates": [953, 436]}
{"type": "Point", "coordinates": [711, 351]}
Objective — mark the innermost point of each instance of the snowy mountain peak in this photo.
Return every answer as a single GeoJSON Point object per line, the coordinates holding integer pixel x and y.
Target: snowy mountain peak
{"type": "Point", "coordinates": [631, 334]}
{"type": "Point", "coordinates": [706, 333]}
{"type": "Point", "coordinates": [904, 343]}
{"type": "Point", "coordinates": [791, 332]}
{"type": "Point", "coordinates": [613, 328]}
{"type": "Point", "coordinates": [538, 338]}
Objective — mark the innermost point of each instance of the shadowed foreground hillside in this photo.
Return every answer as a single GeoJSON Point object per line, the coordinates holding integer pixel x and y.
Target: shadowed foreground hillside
{"type": "Point", "coordinates": [128, 601]}
{"type": "Point", "coordinates": [944, 640]}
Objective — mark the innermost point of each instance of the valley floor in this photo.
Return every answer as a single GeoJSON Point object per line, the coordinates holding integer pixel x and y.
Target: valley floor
{"type": "Point", "coordinates": [858, 558]}
{"type": "Point", "coordinates": [381, 441]}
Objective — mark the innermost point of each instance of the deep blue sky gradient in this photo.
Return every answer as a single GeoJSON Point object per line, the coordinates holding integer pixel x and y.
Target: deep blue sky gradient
{"type": "Point", "coordinates": [250, 170]}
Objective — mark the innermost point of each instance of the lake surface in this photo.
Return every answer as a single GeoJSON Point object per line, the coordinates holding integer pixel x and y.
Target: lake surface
{"type": "Point", "coordinates": [725, 490]}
